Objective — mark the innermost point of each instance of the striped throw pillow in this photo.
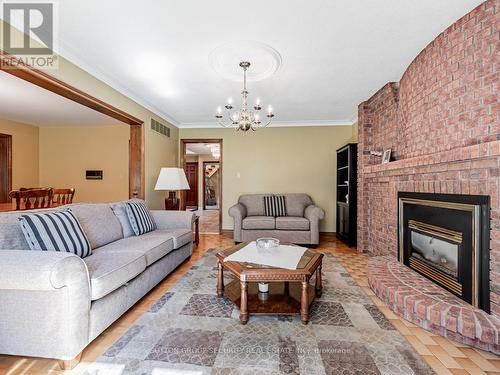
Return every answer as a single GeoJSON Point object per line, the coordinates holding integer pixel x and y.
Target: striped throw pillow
{"type": "Point", "coordinates": [55, 231]}
{"type": "Point", "coordinates": [140, 218]}
{"type": "Point", "coordinates": [275, 205]}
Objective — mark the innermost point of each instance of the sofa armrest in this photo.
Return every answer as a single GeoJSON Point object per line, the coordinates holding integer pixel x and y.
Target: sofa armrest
{"type": "Point", "coordinates": [45, 303]}
{"type": "Point", "coordinates": [166, 219]}
{"type": "Point", "coordinates": [238, 212]}
{"type": "Point", "coordinates": [314, 214]}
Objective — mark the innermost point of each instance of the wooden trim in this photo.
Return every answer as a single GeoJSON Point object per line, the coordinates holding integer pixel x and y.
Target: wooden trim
{"type": "Point", "coordinates": [9, 161]}
{"type": "Point", "coordinates": [136, 162]}
{"type": "Point", "coordinates": [184, 142]}
{"type": "Point", "coordinates": [204, 184]}
{"type": "Point", "coordinates": [12, 65]}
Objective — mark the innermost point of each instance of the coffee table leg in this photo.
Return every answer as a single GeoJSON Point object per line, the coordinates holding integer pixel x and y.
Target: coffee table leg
{"type": "Point", "coordinates": [244, 303]}
{"type": "Point", "coordinates": [220, 280]}
{"type": "Point", "coordinates": [304, 303]}
{"type": "Point", "coordinates": [319, 283]}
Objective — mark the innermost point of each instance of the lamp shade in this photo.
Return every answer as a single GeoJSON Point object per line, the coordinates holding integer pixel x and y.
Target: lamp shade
{"type": "Point", "coordinates": [172, 179]}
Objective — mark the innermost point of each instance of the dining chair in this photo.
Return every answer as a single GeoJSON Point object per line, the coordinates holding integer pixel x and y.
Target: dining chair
{"type": "Point", "coordinates": [63, 196]}
{"type": "Point", "coordinates": [28, 199]}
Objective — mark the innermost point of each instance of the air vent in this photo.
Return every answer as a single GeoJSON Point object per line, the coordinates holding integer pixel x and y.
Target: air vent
{"type": "Point", "coordinates": [160, 128]}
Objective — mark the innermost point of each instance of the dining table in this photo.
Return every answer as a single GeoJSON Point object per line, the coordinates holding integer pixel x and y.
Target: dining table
{"type": "Point", "coordinates": [6, 207]}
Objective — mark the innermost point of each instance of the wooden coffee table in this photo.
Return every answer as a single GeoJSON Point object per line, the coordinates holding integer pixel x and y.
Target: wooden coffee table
{"type": "Point", "coordinates": [289, 290]}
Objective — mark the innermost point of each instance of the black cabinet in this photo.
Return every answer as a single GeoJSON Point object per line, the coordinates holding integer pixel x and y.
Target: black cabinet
{"type": "Point", "coordinates": [347, 157]}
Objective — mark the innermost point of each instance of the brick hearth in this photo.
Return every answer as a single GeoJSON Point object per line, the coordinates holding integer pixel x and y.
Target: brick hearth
{"type": "Point", "coordinates": [429, 306]}
{"type": "Point", "coordinates": [442, 123]}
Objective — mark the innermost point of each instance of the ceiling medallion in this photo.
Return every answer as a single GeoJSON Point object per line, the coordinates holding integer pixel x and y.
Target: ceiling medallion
{"type": "Point", "coordinates": [244, 118]}
{"type": "Point", "coordinates": [224, 59]}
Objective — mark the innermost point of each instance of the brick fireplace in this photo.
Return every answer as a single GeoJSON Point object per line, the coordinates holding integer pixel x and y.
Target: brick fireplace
{"type": "Point", "coordinates": [441, 121]}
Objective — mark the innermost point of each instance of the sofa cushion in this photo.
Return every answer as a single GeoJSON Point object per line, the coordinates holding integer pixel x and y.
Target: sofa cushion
{"type": "Point", "coordinates": [297, 203]}
{"type": "Point", "coordinates": [259, 222]}
{"type": "Point", "coordinates": [292, 223]}
{"type": "Point", "coordinates": [153, 246]}
{"type": "Point", "coordinates": [120, 211]}
{"type": "Point", "coordinates": [11, 235]}
{"type": "Point", "coordinates": [55, 231]}
{"type": "Point", "coordinates": [254, 203]}
{"type": "Point", "coordinates": [179, 236]}
{"type": "Point", "coordinates": [140, 218]}
{"type": "Point", "coordinates": [110, 269]}
{"type": "Point", "coordinates": [275, 205]}
{"type": "Point", "coordinates": [99, 223]}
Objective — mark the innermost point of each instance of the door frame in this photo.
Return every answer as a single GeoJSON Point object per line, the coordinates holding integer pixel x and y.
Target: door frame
{"type": "Point", "coordinates": [204, 182]}
{"type": "Point", "coordinates": [182, 149]}
{"type": "Point", "coordinates": [197, 182]}
{"type": "Point", "coordinates": [137, 180]}
{"type": "Point", "coordinates": [9, 161]}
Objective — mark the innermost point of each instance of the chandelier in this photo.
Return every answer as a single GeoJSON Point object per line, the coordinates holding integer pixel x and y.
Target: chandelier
{"type": "Point", "coordinates": [245, 118]}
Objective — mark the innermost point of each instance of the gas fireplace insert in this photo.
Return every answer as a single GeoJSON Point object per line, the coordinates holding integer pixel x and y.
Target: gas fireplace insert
{"type": "Point", "coordinates": [445, 237]}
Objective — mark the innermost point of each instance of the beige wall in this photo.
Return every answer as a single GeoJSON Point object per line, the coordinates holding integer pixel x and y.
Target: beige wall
{"type": "Point", "coordinates": [354, 138]}
{"type": "Point", "coordinates": [66, 153]}
{"type": "Point", "coordinates": [25, 162]}
{"type": "Point", "coordinates": [279, 160]}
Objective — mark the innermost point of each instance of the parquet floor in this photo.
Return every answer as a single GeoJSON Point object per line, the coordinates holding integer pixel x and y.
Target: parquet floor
{"type": "Point", "coordinates": [445, 357]}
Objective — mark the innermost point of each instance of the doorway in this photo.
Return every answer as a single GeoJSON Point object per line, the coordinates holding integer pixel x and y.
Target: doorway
{"type": "Point", "coordinates": [5, 167]}
{"type": "Point", "coordinates": [211, 185]}
{"type": "Point", "coordinates": [205, 194]}
{"type": "Point", "coordinates": [191, 169]}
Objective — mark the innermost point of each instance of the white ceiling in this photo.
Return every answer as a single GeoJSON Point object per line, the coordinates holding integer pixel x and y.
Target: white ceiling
{"type": "Point", "coordinates": [334, 54]}
{"type": "Point", "coordinates": [24, 102]}
{"type": "Point", "coordinates": [200, 148]}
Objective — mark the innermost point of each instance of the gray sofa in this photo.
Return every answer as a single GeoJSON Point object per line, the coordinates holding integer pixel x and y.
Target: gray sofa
{"type": "Point", "coordinates": [300, 226]}
{"type": "Point", "coordinates": [53, 304]}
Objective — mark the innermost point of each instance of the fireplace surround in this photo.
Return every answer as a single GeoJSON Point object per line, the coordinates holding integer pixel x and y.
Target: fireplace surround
{"type": "Point", "coordinates": [445, 237]}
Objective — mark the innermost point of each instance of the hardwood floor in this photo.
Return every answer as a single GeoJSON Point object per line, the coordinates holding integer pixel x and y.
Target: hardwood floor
{"type": "Point", "coordinates": [445, 356]}
{"type": "Point", "coordinates": [209, 221]}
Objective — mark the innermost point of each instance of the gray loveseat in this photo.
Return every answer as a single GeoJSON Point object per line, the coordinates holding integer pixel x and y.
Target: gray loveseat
{"type": "Point", "coordinates": [53, 304]}
{"type": "Point", "coordinates": [300, 226]}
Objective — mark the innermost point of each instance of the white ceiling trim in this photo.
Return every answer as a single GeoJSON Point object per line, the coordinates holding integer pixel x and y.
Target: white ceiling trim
{"type": "Point", "coordinates": [274, 124]}
{"type": "Point", "coordinates": [72, 56]}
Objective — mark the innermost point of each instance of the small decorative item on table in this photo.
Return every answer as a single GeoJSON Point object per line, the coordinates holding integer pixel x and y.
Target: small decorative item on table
{"type": "Point", "coordinates": [266, 244]}
{"type": "Point", "coordinates": [386, 157]}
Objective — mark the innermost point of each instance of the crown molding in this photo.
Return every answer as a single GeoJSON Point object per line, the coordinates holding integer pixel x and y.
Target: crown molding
{"type": "Point", "coordinates": [75, 58]}
{"type": "Point", "coordinates": [274, 124]}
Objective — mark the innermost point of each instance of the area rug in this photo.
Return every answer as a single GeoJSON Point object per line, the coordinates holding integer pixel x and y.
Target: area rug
{"type": "Point", "coordinates": [189, 330]}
